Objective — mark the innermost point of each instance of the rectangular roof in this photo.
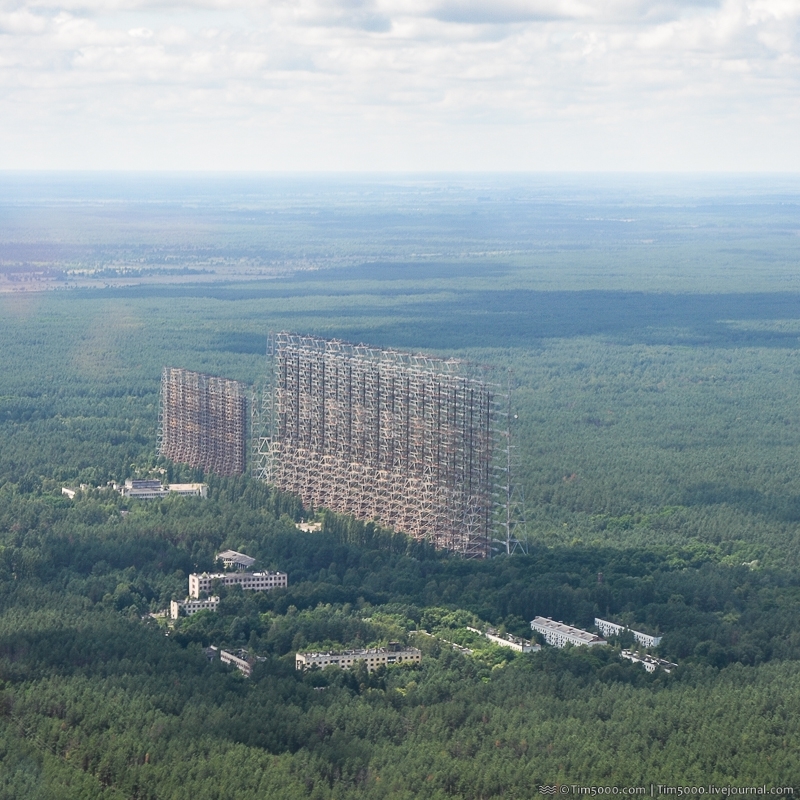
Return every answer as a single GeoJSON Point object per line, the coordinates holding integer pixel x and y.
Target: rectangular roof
{"type": "Point", "coordinates": [567, 630]}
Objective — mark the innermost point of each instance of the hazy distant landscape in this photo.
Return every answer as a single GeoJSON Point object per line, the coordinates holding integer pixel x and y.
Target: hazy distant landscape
{"type": "Point", "coordinates": [640, 233]}
{"type": "Point", "coordinates": [652, 330]}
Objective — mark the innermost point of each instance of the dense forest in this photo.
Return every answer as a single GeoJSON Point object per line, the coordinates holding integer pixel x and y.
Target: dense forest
{"type": "Point", "coordinates": [656, 435]}
{"type": "Point", "coordinates": [93, 688]}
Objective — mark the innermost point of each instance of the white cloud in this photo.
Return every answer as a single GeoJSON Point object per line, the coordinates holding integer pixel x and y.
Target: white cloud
{"type": "Point", "coordinates": [507, 11]}
{"type": "Point", "coordinates": [388, 84]}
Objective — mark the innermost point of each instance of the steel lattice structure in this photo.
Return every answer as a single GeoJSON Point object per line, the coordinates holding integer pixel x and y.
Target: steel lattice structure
{"type": "Point", "coordinates": [203, 421]}
{"type": "Point", "coordinates": [406, 440]}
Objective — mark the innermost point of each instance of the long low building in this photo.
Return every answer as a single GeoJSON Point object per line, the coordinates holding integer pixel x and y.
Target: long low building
{"type": "Point", "coordinates": [559, 635]}
{"type": "Point", "coordinates": [347, 659]}
{"type": "Point", "coordinates": [241, 659]}
{"type": "Point", "coordinates": [153, 489]}
{"type": "Point", "coordinates": [651, 663]}
{"type": "Point", "coordinates": [507, 640]}
{"type": "Point", "coordinates": [188, 489]}
{"type": "Point", "coordinates": [143, 489]}
{"type": "Point", "coordinates": [191, 606]}
{"type": "Point", "coordinates": [243, 665]}
{"type": "Point", "coordinates": [612, 629]}
{"type": "Point", "coordinates": [253, 581]}
{"type": "Point", "coordinates": [514, 642]}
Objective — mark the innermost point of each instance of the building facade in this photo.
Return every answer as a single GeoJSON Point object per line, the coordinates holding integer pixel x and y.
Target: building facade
{"type": "Point", "coordinates": [559, 635]}
{"type": "Point", "coordinates": [612, 629]}
{"type": "Point", "coordinates": [651, 663]}
{"type": "Point", "coordinates": [243, 665]}
{"type": "Point", "coordinates": [252, 581]}
{"type": "Point", "coordinates": [191, 606]}
{"type": "Point", "coordinates": [188, 489]}
{"type": "Point", "coordinates": [347, 659]}
{"type": "Point", "coordinates": [143, 489]}
{"type": "Point", "coordinates": [149, 489]}
{"type": "Point", "coordinates": [507, 640]}
{"type": "Point", "coordinates": [241, 659]}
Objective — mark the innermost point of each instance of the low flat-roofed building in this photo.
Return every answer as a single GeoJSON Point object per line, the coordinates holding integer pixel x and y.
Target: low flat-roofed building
{"type": "Point", "coordinates": [308, 527]}
{"type": "Point", "coordinates": [651, 663]}
{"type": "Point", "coordinates": [507, 640]}
{"type": "Point", "coordinates": [233, 560]}
{"type": "Point", "coordinates": [559, 635]}
{"type": "Point", "coordinates": [189, 489]}
{"type": "Point", "coordinates": [243, 660]}
{"type": "Point", "coordinates": [373, 658]}
{"type": "Point", "coordinates": [152, 489]}
{"type": "Point", "coordinates": [612, 629]}
{"type": "Point", "coordinates": [514, 642]}
{"type": "Point", "coordinates": [191, 606]}
{"type": "Point", "coordinates": [243, 665]}
{"type": "Point", "coordinates": [143, 489]}
{"type": "Point", "coordinates": [252, 581]}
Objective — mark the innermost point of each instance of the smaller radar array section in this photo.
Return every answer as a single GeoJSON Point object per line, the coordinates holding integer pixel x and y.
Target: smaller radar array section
{"type": "Point", "coordinates": [203, 421]}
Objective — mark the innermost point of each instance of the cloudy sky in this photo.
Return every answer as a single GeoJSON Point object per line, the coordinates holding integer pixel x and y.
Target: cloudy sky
{"type": "Point", "coordinates": [400, 84]}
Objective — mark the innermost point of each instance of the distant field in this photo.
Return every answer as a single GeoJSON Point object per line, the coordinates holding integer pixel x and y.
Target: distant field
{"type": "Point", "coordinates": [539, 232]}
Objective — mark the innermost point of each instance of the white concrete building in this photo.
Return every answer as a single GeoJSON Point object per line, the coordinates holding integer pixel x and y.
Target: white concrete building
{"type": "Point", "coordinates": [612, 629]}
{"type": "Point", "coordinates": [143, 489]}
{"type": "Point", "coordinates": [153, 489]}
{"type": "Point", "coordinates": [252, 581]}
{"type": "Point", "coordinates": [191, 606]}
{"type": "Point", "coordinates": [233, 560]}
{"type": "Point", "coordinates": [558, 634]}
{"type": "Point", "coordinates": [308, 527]}
{"type": "Point", "coordinates": [241, 659]}
{"type": "Point", "coordinates": [651, 663]}
{"type": "Point", "coordinates": [373, 658]}
{"type": "Point", "coordinates": [188, 489]}
{"type": "Point", "coordinates": [507, 640]}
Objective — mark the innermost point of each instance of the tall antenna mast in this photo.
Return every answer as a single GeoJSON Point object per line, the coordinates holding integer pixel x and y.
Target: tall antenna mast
{"type": "Point", "coordinates": [513, 521]}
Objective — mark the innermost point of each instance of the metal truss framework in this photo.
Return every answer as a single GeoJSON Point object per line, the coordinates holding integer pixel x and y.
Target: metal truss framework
{"type": "Point", "coordinates": [512, 497]}
{"type": "Point", "coordinates": [203, 421]}
{"type": "Point", "coordinates": [403, 439]}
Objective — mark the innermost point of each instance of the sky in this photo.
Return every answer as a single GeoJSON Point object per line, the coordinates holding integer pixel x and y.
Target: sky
{"type": "Point", "coordinates": [400, 85]}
